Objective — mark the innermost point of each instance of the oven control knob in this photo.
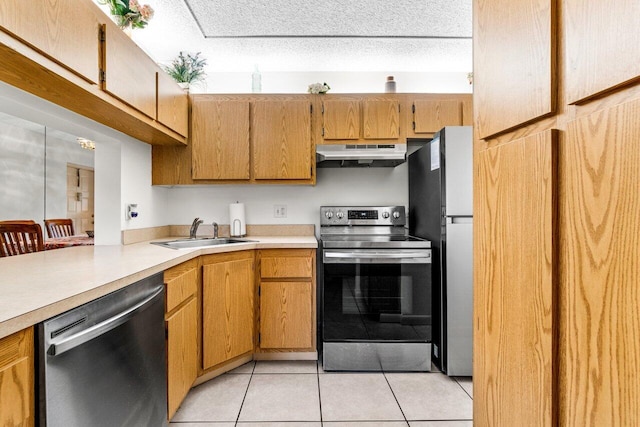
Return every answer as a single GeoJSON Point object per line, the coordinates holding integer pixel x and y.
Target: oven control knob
{"type": "Point", "coordinates": [396, 214]}
{"type": "Point", "coordinates": [340, 215]}
{"type": "Point", "coordinates": [385, 214]}
{"type": "Point", "coordinates": [328, 214]}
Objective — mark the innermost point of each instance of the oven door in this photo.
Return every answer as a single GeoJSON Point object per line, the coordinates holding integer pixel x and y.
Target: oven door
{"type": "Point", "coordinates": [376, 295]}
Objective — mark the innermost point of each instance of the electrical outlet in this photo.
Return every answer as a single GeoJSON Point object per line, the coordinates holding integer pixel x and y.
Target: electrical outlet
{"type": "Point", "coordinates": [279, 211]}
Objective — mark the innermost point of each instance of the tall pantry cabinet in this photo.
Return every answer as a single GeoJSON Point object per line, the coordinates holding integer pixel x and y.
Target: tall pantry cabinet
{"type": "Point", "coordinates": [557, 202]}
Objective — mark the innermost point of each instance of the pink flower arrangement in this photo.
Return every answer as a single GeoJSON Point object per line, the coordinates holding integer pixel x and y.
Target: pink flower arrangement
{"type": "Point", "coordinates": [129, 13]}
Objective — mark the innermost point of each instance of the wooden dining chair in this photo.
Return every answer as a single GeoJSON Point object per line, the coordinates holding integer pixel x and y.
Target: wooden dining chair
{"type": "Point", "coordinates": [59, 227]}
{"type": "Point", "coordinates": [20, 237]}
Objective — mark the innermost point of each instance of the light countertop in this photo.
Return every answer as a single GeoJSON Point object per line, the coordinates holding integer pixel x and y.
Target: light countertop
{"type": "Point", "coordinates": [35, 287]}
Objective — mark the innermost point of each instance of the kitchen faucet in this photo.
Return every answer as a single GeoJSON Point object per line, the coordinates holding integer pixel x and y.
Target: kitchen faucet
{"type": "Point", "coordinates": [194, 228]}
{"type": "Point", "coordinates": [215, 229]}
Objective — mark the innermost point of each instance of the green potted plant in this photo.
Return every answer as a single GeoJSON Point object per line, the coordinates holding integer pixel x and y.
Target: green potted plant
{"type": "Point", "coordinates": [129, 14]}
{"type": "Point", "coordinates": [187, 69]}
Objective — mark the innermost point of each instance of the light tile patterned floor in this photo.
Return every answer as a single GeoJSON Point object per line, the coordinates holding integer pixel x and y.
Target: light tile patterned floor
{"type": "Point", "coordinates": [301, 394]}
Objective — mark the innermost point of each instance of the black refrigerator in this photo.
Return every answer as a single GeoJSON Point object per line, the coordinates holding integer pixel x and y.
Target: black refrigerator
{"type": "Point", "coordinates": [441, 210]}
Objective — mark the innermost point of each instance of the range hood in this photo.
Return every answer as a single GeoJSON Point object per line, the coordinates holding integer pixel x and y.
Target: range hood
{"type": "Point", "coordinates": [352, 155]}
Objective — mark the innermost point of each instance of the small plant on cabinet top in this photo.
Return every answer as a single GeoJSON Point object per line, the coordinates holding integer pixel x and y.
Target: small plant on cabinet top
{"type": "Point", "coordinates": [187, 68]}
{"type": "Point", "coordinates": [129, 13]}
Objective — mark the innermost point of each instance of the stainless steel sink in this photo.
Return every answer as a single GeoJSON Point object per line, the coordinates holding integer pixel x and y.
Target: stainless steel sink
{"type": "Point", "coordinates": [198, 243]}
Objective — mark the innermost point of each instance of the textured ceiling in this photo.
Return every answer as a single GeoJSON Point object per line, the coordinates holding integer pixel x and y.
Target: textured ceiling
{"type": "Point", "coordinates": [332, 18]}
{"type": "Point", "coordinates": [321, 36]}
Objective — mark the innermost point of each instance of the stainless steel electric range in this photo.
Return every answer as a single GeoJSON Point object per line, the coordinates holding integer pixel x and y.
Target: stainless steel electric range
{"type": "Point", "coordinates": [375, 291]}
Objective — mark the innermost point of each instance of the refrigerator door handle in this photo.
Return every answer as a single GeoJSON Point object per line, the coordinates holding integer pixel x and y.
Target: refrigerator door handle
{"type": "Point", "coordinates": [459, 220]}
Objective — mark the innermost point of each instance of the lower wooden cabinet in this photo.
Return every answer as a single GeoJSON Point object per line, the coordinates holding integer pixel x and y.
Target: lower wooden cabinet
{"type": "Point", "coordinates": [228, 307]}
{"type": "Point", "coordinates": [287, 300]}
{"type": "Point", "coordinates": [17, 379]}
{"type": "Point", "coordinates": [182, 283]}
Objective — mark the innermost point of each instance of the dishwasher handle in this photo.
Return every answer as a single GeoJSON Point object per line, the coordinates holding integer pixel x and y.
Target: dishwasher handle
{"type": "Point", "coordinates": [103, 327]}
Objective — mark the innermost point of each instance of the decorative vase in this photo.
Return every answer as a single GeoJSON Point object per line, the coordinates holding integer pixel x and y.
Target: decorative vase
{"type": "Point", "coordinates": [128, 30]}
{"type": "Point", "coordinates": [184, 86]}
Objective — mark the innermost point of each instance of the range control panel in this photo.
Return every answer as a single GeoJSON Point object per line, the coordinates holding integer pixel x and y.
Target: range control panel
{"type": "Point", "coordinates": [363, 215]}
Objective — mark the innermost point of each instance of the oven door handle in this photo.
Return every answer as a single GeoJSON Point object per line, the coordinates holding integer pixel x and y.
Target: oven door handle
{"type": "Point", "coordinates": [376, 257]}
{"type": "Point", "coordinates": [82, 337]}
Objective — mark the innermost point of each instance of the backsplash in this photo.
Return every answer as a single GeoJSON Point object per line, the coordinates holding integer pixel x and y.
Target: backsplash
{"type": "Point", "coordinates": [334, 186]}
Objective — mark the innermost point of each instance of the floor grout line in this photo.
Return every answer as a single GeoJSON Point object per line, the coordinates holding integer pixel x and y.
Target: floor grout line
{"type": "Point", "coordinates": [319, 395]}
{"type": "Point", "coordinates": [245, 395]}
{"type": "Point", "coordinates": [384, 374]}
{"type": "Point", "coordinates": [463, 389]}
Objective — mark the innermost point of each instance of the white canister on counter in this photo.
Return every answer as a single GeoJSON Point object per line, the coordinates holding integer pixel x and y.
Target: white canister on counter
{"type": "Point", "coordinates": [390, 85]}
{"type": "Point", "coordinates": [237, 223]}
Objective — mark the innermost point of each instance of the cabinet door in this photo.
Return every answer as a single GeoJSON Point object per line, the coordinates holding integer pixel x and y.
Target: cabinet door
{"type": "Point", "coordinates": [182, 354]}
{"type": "Point", "coordinates": [228, 306]}
{"type": "Point", "coordinates": [381, 119]}
{"type": "Point", "coordinates": [601, 46]}
{"type": "Point", "coordinates": [173, 104]}
{"type": "Point", "coordinates": [286, 315]}
{"type": "Point", "coordinates": [514, 51]}
{"type": "Point", "coordinates": [220, 138]}
{"type": "Point", "coordinates": [600, 259]}
{"type": "Point", "coordinates": [130, 73]}
{"type": "Point", "coordinates": [429, 116]}
{"type": "Point", "coordinates": [341, 119]}
{"type": "Point", "coordinates": [17, 379]}
{"type": "Point", "coordinates": [514, 283]}
{"type": "Point", "coordinates": [67, 31]}
{"type": "Point", "coordinates": [281, 136]}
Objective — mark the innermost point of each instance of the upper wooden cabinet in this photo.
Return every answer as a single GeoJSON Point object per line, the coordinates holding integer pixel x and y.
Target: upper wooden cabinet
{"type": "Point", "coordinates": [59, 50]}
{"type": "Point", "coordinates": [220, 139]}
{"type": "Point", "coordinates": [515, 58]}
{"type": "Point", "coordinates": [429, 116]}
{"type": "Point", "coordinates": [244, 139]}
{"type": "Point", "coordinates": [341, 119]}
{"type": "Point", "coordinates": [173, 104]}
{"type": "Point", "coordinates": [601, 46]}
{"type": "Point", "coordinates": [281, 139]}
{"type": "Point", "coordinates": [350, 118]}
{"type": "Point", "coordinates": [130, 75]}
{"type": "Point", "coordinates": [380, 119]}
{"type": "Point", "coordinates": [66, 31]}
{"type": "Point", "coordinates": [17, 402]}
{"type": "Point", "coordinates": [427, 113]}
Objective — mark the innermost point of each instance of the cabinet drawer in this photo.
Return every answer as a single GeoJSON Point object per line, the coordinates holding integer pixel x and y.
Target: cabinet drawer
{"type": "Point", "coordinates": [181, 288]}
{"type": "Point", "coordinates": [277, 267]}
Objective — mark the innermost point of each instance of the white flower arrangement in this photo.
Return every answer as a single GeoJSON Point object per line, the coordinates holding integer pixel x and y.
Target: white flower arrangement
{"type": "Point", "coordinates": [318, 88]}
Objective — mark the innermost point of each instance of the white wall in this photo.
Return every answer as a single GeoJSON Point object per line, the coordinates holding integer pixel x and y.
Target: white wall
{"type": "Point", "coordinates": [355, 186]}
{"type": "Point", "coordinates": [340, 82]}
{"type": "Point", "coordinates": [136, 188]}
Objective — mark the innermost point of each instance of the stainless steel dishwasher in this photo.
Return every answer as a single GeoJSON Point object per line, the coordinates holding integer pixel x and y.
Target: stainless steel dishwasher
{"type": "Point", "coordinates": [103, 363]}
